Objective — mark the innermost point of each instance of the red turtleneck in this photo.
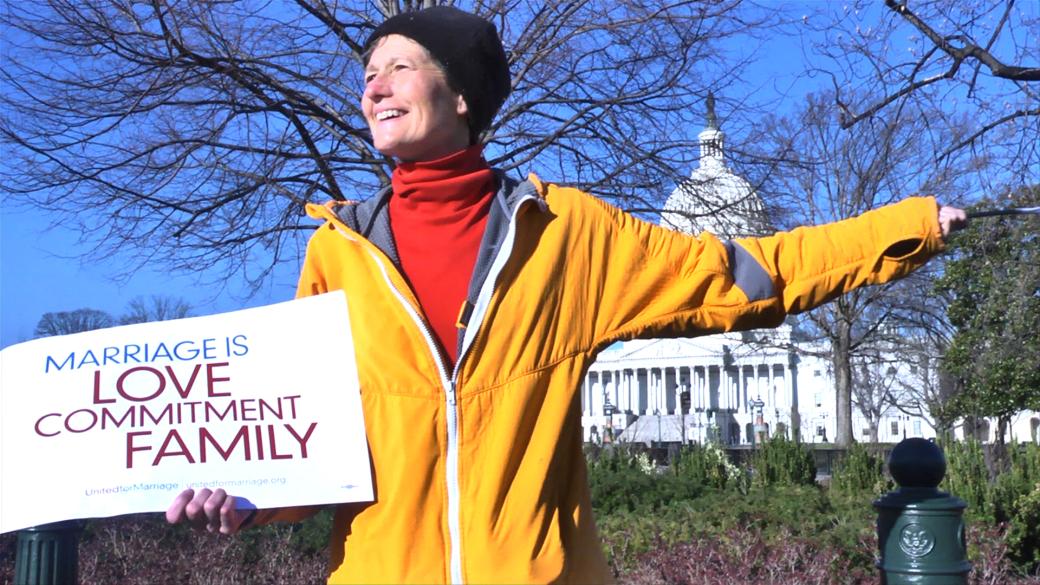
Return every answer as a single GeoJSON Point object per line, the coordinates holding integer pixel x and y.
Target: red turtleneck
{"type": "Point", "coordinates": [438, 212]}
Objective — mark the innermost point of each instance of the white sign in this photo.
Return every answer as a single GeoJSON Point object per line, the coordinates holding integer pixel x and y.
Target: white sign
{"type": "Point", "coordinates": [261, 402]}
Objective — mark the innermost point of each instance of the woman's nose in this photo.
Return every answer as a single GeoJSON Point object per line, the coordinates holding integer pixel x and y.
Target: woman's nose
{"type": "Point", "coordinates": [378, 86]}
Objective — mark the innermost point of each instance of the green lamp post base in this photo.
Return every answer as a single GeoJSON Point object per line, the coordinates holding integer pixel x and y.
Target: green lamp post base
{"type": "Point", "coordinates": [48, 554]}
{"type": "Point", "coordinates": [920, 529]}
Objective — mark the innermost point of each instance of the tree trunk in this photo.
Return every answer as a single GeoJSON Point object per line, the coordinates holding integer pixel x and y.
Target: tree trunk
{"type": "Point", "coordinates": [999, 460]}
{"type": "Point", "coordinates": [1002, 425]}
{"type": "Point", "coordinates": [843, 387]}
{"type": "Point", "coordinates": [841, 361]}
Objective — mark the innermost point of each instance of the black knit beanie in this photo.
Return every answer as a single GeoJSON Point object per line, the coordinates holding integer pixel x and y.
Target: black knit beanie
{"type": "Point", "coordinates": [469, 50]}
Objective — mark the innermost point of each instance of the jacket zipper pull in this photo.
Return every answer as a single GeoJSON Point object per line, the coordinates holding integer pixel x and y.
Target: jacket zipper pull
{"type": "Point", "coordinates": [451, 393]}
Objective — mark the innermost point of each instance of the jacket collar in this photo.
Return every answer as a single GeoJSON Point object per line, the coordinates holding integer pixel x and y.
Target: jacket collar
{"type": "Point", "coordinates": [371, 218]}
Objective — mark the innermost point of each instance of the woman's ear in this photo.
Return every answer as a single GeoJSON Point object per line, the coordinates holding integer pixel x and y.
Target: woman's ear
{"type": "Point", "coordinates": [460, 106]}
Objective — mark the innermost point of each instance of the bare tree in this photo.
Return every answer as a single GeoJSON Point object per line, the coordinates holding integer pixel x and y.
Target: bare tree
{"type": "Point", "coordinates": [927, 390]}
{"type": "Point", "coordinates": [155, 308]}
{"type": "Point", "coordinates": [873, 378]}
{"type": "Point", "coordinates": [67, 322]}
{"type": "Point", "coordinates": [900, 373]}
{"type": "Point", "coordinates": [973, 67]}
{"type": "Point", "coordinates": [195, 132]}
{"type": "Point", "coordinates": [905, 363]}
{"type": "Point", "coordinates": [836, 173]}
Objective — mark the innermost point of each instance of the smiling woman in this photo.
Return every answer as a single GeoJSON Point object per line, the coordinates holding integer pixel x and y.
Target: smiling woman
{"type": "Point", "coordinates": [412, 112]}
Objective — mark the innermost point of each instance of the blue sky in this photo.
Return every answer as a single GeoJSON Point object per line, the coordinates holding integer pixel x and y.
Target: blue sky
{"type": "Point", "coordinates": [42, 270]}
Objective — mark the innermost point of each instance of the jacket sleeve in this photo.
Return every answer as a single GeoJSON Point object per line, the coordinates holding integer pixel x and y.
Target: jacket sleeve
{"type": "Point", "coordinates": [810, 266]}
{"type": "Point", "coordinates": [657, 282]}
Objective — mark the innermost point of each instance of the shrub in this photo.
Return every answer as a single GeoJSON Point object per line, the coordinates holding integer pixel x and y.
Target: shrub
{"type": "Point", "coordinates": [860, 471]}
{"type": "Point", "coordinates": [144, 549]}
{"type": "Point", "coordinates": [749, 556]}
{"type": "Point", "coordinates": [1023, 536]}
{"type": "Point", "coordinates": [709, 467]}
{"type": "Point", "coordinates": [1010, 499]}
{"type": "Point", "coordinates": [989, 554]}
{"type": "Point", "coordinates": [803, 508]}
{"type": "Point", "coordinates": [800, 510]}
{"type": "Point", "coordinates": [780, 461]}
{"type": "Point", "coordinates": [622, 479]}
{"type": "Point", "coordinates": [140, 549]}
{"type": "Point", "coordinates": [1017, 481]}
{"type": "Point", "coordinates": [851, 514]}
{"type": "Point", "coordinates": [752, 556]}
{"type": "Point", "coordinates": [968, 478]}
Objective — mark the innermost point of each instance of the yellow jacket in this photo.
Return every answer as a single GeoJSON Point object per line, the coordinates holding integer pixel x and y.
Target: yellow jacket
{"type": "Point", "coordinates": [479, 473]}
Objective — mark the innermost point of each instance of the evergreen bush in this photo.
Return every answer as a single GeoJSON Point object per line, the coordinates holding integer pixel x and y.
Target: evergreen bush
{"type": "Point", "coordinates": [860, 471]}
{"type": "Point", "coordinates": [804, 509]}
{"type": "Point", "coordinates": [707, 466]}
{"type": "Point", "coordinates": [772, 515]}
{"type": "Point", "coordinates": [615, 480]}
{"type": "Point", "coordinates": [1017, 481]}
{"type": "Point", "coordinates": [1015, 498]}
{"type": "Point", "coordinates": [968, 478]}
{"type": "Point", "coordinates": [780, 461]}
{"type": "Point", "coordinates": [1023, 536]}
{"type": "Point", "coordinates": [623, 479]}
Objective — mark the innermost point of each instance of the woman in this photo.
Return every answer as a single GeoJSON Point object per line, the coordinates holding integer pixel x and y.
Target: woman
{"type": "Point", "coordinates": [477, 304]}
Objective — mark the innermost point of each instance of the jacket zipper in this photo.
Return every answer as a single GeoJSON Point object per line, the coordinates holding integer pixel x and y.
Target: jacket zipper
{"type": "Point", "coordinates": [450, 385]}
{"type": "Point", "coordinates": [452, 465]}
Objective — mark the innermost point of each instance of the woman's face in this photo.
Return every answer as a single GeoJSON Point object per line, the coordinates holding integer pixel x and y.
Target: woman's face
{"type": "Point", "coordinates": [411, 111]}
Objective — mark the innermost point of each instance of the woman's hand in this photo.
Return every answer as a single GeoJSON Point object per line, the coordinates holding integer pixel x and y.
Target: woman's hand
{"type": "Point", "coordinates": [210, 510]}
{"type": "Point", "coordinates": [951, 219]}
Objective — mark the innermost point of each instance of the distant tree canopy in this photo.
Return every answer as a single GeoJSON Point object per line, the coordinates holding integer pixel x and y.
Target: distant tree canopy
{"type": "Point", "coordinates": [155, 308]}
{"type": "Point", "coordinates": [994, 282]}
{"type": "Point", "coordinates": [140, 310]}
{"type": "Point", "coordinates": [66, 322]}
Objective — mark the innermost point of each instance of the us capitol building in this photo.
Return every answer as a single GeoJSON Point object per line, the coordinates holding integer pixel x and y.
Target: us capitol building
{"type": "Point", "coordinates": [733, 388]}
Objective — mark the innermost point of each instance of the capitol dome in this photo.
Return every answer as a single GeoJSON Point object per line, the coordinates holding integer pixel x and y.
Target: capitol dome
{"type": "Point", "coordinates": [713, 199]}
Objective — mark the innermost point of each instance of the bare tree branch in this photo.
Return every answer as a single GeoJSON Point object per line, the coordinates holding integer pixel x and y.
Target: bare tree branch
{"type": "Point", "coordinates": [968, 49]}
{"type": "Point", "coordinates": [971, 67]}
{"type": "Point", "coordinates": [202, 129]}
